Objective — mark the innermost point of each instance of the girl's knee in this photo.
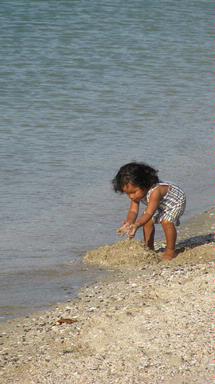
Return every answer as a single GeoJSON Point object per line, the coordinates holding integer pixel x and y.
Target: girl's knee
{"type": "Point", "coordinates": [168, 224]}
{"type": "Point", "coordinates": [149, 224]}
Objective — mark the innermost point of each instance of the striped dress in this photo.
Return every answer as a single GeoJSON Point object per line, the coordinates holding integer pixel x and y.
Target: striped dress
{"type": "Point", "coordinates": [172, 205]}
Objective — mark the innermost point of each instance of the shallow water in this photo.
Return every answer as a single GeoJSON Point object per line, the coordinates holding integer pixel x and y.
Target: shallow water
{"type": "Point", "coordinates": [85, 87]}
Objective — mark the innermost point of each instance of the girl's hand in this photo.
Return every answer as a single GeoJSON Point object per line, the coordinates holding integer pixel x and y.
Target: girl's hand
{"type": "Point", "coordinates": [132, 230]}
{"type": "Point", "coordinates": [123, 230]}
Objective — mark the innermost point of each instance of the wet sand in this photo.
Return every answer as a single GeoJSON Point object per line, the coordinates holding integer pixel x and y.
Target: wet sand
{"type": "Point", "coordinates": [149, 322]}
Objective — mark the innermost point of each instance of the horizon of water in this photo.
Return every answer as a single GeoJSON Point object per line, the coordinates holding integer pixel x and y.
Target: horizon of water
{"type": "Point", "coordinates": [86, 87]}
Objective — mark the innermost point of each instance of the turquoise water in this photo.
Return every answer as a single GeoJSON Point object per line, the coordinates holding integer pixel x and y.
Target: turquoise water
{"type": "Point", "coordinates": [87, 86]}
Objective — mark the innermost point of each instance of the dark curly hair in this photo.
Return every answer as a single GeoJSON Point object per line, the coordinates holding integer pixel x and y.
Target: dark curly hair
{"type": "Point", "coordinates": [140, 174]}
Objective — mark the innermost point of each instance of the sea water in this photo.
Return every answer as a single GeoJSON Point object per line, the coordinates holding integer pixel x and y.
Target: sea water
{"type": "Point", "coordinates": [87, 86]}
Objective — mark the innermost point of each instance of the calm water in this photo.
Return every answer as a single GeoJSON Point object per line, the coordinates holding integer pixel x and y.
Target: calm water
{"type": "Point", "coordinates": [87, 86]}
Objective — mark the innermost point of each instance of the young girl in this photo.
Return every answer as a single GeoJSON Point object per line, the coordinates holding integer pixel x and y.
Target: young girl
{"type": "Point", "coordinates": [165, 204]}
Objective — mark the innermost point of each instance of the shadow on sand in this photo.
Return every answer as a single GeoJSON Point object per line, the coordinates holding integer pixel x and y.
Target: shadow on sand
{"type": "Point", "coordinates": [192, 242]}
{"type": "Point", "coordinates": [195, 241]}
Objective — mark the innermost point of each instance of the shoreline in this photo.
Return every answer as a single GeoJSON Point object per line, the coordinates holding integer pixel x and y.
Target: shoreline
{"type": "Point", "coordinates": [96, 273]}
{"type": "Point", "coordinates": [140, 324]}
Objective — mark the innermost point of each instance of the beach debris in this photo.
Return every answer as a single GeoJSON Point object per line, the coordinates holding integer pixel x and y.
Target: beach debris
{"type": "Point", "coordinates": [66, 321]}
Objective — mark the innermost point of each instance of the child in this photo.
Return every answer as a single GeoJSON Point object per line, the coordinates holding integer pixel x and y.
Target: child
{"type": "Point", "coordinates": [165, 204]}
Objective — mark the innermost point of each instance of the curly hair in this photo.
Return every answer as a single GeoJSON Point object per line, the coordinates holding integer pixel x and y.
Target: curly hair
{"type": "Point", "coordinates": [139, 174]}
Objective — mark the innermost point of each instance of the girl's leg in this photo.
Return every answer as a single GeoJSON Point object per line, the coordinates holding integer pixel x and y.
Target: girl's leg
{"type": "Point", "coordinates": [149, 233]}
{"type": "Point", "coordinates": [171, 236]}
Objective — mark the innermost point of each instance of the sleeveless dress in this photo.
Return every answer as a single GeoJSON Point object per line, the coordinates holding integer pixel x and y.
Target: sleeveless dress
{"type": "Point", "coordinates": [172, 205]}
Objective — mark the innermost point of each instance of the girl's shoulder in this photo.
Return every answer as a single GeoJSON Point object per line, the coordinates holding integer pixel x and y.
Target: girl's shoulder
{"type": "Point", "coordinates": [165, 187]}
{"type": "Point", "coordinates": [162, 186]}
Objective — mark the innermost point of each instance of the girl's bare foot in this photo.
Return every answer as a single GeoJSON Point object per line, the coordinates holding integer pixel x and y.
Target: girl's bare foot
{"type": "Point", "coordinates": [169, 254]}
{"type": "Point", "coordinates": [151, 247]}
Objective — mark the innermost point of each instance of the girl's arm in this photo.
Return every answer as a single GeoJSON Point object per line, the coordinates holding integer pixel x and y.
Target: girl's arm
{"type": "Point", "coordinates": [153, 205]}
{"type": "Point", "coordinates": [131, 218]}
{"type": "Point", "coordinates": [132, 213]}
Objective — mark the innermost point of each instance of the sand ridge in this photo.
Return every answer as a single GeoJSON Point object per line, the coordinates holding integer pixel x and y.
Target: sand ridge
{"type": "Point", "coordinates": [124, 253]}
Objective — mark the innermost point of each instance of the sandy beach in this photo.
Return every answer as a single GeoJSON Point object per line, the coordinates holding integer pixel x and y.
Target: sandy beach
{"type": "Point", "coordinates": [148, 322]}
